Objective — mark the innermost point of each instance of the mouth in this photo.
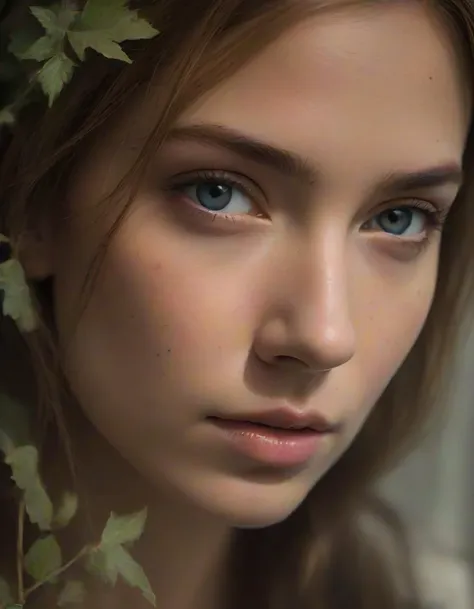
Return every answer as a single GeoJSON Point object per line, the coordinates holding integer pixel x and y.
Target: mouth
{"type": "Point", "coordinates": [284, 419]}
{"type": "Point", "coordinates": [279, 438]}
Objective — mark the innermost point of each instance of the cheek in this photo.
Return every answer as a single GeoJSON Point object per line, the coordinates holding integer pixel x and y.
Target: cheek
{"type": "Point", "coordinates": [161, 318]}
{"type": "Point", "coordinates": [389, 325]}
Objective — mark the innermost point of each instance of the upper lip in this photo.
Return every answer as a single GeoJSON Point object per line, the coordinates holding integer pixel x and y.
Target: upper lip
{"type": "Point", "coordinates": [286, 418]}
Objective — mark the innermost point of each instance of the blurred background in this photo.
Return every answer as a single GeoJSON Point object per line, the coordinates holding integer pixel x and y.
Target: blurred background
{"type": "Point", "coordinates": [434, 490]}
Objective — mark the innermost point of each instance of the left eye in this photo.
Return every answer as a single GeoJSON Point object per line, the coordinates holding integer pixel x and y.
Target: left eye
{"type": "Point", "coordinates": [402, 221]}
{"type": "Point", "coordinates": [219, 197]}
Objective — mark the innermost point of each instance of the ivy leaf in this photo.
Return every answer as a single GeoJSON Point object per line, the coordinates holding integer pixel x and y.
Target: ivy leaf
{"type": "Point", "coordinates": [99, 564]}
{"type": "Point", "coordinates": [103, 24]}
{"type": "Point", "coordinates": [42, 49]}
{"type": "Point", "coordinates": [17, 302]}
{"type": "Point", "coordinates": [43, 559]}
{"type": "Point", "coordinates": [73, 593]}
{"type": "Point", "coordinates": [14, 425]}
{"type": "Point", "coordinates": [22, 39]}
{"type": "Point", "coordinates": [6, 117]}
{"type": "Point", "coordinates": [101, 14]}
{"type": "Point", "coordinates": [31, 45]}
{"type": "Point", "coordinates": [54, 75]}
{"type": "Point", "coordinates": [123, 529]}
{"type": "Point", "coordinates": [115, 560]}
{"type": "Point", "coordinates": [56, 20]}
{"type": "Point", "coordinates": [47, 17]}
{"type": "Point", "coordinates": [24, 464]}
{"type": "Point", "coordinates": [80, 41]}
{"type": "Point", "coordinates": [67, 510]}
{"type": "Point", "coordinates": [132, 573]}
{"type": "Point", "coordinates": [6, 597]}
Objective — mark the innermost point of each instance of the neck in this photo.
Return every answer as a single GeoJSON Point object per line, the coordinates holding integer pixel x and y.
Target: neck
{"type": "Point", "coordinates": [183, 551]}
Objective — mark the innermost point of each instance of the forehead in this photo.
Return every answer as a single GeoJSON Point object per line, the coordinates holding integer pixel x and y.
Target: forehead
{"type": "Point", "coordinates": [367, 78]}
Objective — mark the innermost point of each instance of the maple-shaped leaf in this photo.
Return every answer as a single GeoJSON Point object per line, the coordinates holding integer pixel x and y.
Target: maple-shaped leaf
{"type": "Point", "coordinates": [123, 529]}
{"type": "Point", "coordinates": [97, 41]}
{"type": "Point", "coordinates": [6, 597]}
{"type": "Point", "coordinates": [114, 561]}
{"type": "Point", "coordinates": [67, 510]}
{"type": "Point", "coordinates": [56, 20]}
{"type": "Point", "coordinates": [22, 39]}
{"type": "Point", "coordinates": [14, 424]}
{"type": "Point", "coordinates": [104, 24]}
{"type": "Point", "coordinates": [55, 74]}
{"type": "Point", "coordinates": [42, 49]}
{"type": "Point", "coordinates": [17, 302]}
{"type": "Point", "coordinates": [73, 593]}
{"type": "Point", "coordinates": [24, 465]}
{"type": "Point", "coordinates": [31, 44]}
{"type": "Point", "coordinates": [6, 117]}
{"type": "Point", "coordinates": [43, 559]}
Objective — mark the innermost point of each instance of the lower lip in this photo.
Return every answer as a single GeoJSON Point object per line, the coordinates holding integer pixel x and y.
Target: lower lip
{"type": "Point", "coordinates": [271, 445]}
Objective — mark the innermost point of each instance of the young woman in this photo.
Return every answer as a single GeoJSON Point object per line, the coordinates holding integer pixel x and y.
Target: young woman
{"type": "Point", "coordinates": [250, 251]}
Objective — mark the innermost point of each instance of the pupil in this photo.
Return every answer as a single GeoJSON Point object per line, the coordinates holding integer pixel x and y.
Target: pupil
{"type": "Point", "coordinates": [214, 196]}
{"type": "Point", "coordinates": [396, 220]}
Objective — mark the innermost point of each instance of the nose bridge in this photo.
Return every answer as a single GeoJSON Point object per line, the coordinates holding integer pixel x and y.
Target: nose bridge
{"type": "Point", "coordinates": [315, 293]}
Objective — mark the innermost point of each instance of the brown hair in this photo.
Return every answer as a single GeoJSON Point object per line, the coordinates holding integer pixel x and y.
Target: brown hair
{"type": "Point", "coordinates": [321, 555]}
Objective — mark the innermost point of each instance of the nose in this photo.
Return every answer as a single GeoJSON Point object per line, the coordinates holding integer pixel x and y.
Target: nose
{"type": "Point", "coordinates": [307, 320]}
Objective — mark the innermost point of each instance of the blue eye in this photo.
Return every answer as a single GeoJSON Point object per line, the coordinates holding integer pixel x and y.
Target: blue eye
{"type": "Point", "coordinates": [403, 221]}
{"type": "Point", "coordinates": [219, 196]}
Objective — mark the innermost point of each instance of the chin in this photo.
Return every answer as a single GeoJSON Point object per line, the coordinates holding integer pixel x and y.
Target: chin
{"type": "Point", "coordinates": [248, 504]}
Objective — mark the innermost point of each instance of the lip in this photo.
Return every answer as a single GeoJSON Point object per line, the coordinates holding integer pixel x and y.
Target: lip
{"type": "Point", "coordinates": [285, 417]}
{"type": "Point", "coordinates": [278, 438]}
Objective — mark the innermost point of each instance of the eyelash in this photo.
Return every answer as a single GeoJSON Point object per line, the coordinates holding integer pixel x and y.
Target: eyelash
{"type": "Point", "coordinates": [435, 216]}
{"type": "Point", "coordinates": [252, 191]}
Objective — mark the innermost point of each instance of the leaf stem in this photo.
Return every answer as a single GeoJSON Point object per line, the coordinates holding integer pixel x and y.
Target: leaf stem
{"type": "Point", "coordinates": [20, 552]}
{"type": "Point", "coordinates": [85, 550]}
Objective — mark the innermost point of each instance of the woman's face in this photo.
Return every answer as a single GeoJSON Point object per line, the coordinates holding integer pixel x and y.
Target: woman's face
{"type": "Point", "coordinates": [277, 266]}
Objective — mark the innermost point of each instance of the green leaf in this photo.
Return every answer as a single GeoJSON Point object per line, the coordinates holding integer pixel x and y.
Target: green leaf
{"type": "Point", "coordinates": [56, 20]}
{"type": "Point", "coordinates": [80, 41]}
{"type": "Point", "coordinates": [6, 597]}
{"type": "Point", "coordinates": [24, 464]}
{"type": "Point", "coordinates": [17, 302]}
{"type": "Point", "coordinates": [103, 24]}
{"type": "Point", "coordinates": [99, 565]}
{"type": "Point", "coordinates": [102, 14]}
{"type": "Point", "coordinates": [73, 593]}
{"type": "Point", "coordinates": [14, 424]}
{"type": "Point", "coordinates": [123, 529]}
{"type": "Point", "coordinates": [7, 117]}
{"type": "Point", "coordinates": [54, 75]}
{"type": "Point", "coordinates": [22, 39]}
{"type": "Point", "coordinates": [43, 559]}
{"type": "Point", "coordinates": [42, 49]}
{"type": "Point", "coordinates": [115, 560]}
{"type": "Point", "coordinates": [133, 27]}
{"type": "Point", "coordinates": [47, 17]}
{"type": "Point", "coordinates": [67, 510]}
{"type": "Point", "coordinates": [132, 572]}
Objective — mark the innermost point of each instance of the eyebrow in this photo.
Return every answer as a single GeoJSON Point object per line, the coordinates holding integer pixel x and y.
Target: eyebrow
{"type": "Point", "coordinates": [295, 166]}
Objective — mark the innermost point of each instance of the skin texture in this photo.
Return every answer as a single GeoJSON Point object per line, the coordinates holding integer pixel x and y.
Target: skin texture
{"type": "Point", "coordinates": [298, 298]}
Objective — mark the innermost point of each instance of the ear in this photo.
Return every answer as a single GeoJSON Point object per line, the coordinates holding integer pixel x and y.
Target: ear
{"type": "Point", "coordinates": [36, 254]}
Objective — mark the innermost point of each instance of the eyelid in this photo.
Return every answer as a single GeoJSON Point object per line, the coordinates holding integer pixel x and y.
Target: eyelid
{"type": "Point", "coordinates": [372, 206]}
{"type": "Point", "coordinates": [238, 180]}
{"type": "Point", "coordinates": [436, 212]}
